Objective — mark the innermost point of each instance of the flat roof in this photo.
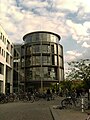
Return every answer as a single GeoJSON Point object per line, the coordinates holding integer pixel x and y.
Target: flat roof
{"type": "Point", "coordinates": [41, 32]}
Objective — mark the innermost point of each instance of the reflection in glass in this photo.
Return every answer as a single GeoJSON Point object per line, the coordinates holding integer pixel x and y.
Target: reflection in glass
{"type": "Point", "coordinates": [45, 73]}
{"type": "Point", "coordinates": [60, 50]}
{"type": "Point", "coordinates": [60, 61]}
{"type": "Point", "coordinates": [46, 60]}
{"type": "Point", "coordinates": [36, 60]}
{"type": "Point", "coordinates": [28, 50]}
{"type": "Point", "coordinates": [29, 74]}
{"type": "Point", "coordinates": [28, 61]}
{"type": "Point", "coordinates": [55, 59]}
{"type": "Point", "coordinates": [36, 49]}
{"type": "Point", "coordinates": [22, 62]}
{"type": "Point", "coordinates": [52, 73]}
{"type": "Point", "coordinates": [36, 73]}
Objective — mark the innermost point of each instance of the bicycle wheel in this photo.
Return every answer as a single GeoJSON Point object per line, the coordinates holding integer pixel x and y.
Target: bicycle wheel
{"type": "Point", "coordinates": [25, 100]}
{"type": "Point", "coordinates": [85, 105]}
{"type": "Point", "coordinates": [63, 103]}
{"type": "Point", "coordinates": [66, 103]}
{"type": "Point", "coordinates": [78, 103]}
{"type": "Point", "coordinates": [31, 99]}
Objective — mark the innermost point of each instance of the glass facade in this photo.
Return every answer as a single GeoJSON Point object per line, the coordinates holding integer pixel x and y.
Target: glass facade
{"type": "Point", "coordinates": [43, 58]}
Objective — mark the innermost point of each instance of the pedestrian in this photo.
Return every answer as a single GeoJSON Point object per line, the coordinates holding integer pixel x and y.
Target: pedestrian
{"type": "Point", "coordinates": [48, 94]}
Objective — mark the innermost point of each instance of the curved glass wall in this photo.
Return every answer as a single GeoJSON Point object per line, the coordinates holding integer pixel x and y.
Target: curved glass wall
{"type": "Point", "coordinates": [37, 37]}
{"type": "Point", "coordinates": [35, 74]}
{"type": "Point", "coordinates": [43, 59]}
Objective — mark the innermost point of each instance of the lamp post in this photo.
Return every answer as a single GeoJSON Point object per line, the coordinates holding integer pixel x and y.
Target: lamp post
{"type": "Point", "coordinates": [41, 69]}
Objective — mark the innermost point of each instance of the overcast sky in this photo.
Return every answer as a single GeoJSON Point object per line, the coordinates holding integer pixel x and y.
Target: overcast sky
{"type": "Point", "coordinates": [68, 18]}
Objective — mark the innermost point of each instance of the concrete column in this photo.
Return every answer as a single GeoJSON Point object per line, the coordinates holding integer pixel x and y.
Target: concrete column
{"type": "Point", "coordinates": [4, 78]}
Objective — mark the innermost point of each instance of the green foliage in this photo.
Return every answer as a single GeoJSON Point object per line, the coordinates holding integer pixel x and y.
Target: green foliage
{"type": "Point", "coordinates": [66, 85]}
{"type": "Point", "coordinates": [80, 70]}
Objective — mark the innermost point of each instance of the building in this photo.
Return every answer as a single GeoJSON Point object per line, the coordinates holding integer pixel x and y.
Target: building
{"type": "Point", "coordinates": [42, 60]}
{"type": "Point", "coordinates": [18, 76]}
{"type": "Point", "coordinates": [6, 63]}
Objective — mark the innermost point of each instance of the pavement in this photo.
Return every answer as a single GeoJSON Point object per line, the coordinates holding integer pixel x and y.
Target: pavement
{"type": "Point", "coordinates": [67, 114]}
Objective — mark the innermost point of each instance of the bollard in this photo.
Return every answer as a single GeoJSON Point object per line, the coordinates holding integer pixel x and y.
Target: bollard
{"type": "Point", "coordinates": [82, 105]}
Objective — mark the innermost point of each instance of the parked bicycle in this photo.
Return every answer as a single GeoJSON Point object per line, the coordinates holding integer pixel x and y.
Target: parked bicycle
{"type": "Point", "coordinates": [73, 102]}
{"type": "Point", "coordinates": [26, 97]}
{"type": "Point", "coordinates": [3, 98]}
{"type": "Point", "coordinates": [88, 117]}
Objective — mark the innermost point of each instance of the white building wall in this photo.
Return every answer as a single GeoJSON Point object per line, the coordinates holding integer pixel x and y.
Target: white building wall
{"type": "Point", "coordinates": [6, 51]}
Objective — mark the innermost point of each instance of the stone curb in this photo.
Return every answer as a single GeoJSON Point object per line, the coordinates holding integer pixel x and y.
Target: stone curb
{"type": "Point", "coordinates": [54, 114]}
{"type": "Point", "coordinates": [70, 114]}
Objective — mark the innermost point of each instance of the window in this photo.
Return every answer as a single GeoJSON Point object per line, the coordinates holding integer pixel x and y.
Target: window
{"type": "Point", "coordinates": [28, 50]}
{"type": "Point", "coordinates": [34, 38]}
{"type": "Point", "coordinates": [1, 36]}
{"type": "Point", "coordinates": [45, 73]}
{"type": "Point", "coordinates": [11, 61]}
{"type": "Point", "coordinates": [37, 73]}
{"type": "Point", "coordinates": [44, 48]}
{"type": "Point", "coordinates": [44, 37]}
{"type": "Point", "coordinates": [3, 39]}
{"type": "Point", "coordinates": [48, 37]}
{"type": "Point", "coordinates": [46, 60]}
{"type": "Point", "coordinates": [0, 50]}
{"type": "Point", "coordinates": [1, 68]}
{"type": "Point", "coordinates": [7, 58]}
{"type": "Point", "coordinates": [52, 73]}
{"type": "Point", "coordinates": [8, 45]}
{"type": "Point", "coordinates": [28, 61]}
{"type": "Point", "coordinates": [60, 51]}
{"type": "Point", "coordinates": [60, 61]}
{"type": "Point", "coordinates": [36, 49]}
{"type": "Point", "coordinates": [36, 60]}
{"type": "Point", "coordinates": [4, 53]}
{"type": "Point", "coordinates": [11, 49]}
{"type": "Point", "coordinates": [22, 62]}
{"type": "Point", "coordinates": [52, 38]}
{"type": "Point", "coordinates": [29, 74]}
{"type": "Point", "coordinates": [22, 51]}
{"type": "Point", "coordinates": [49, 49]}
{"type": "Point", "coordinates": [53, 61]}
{"type": "Point", "coordinates": [52, 48]}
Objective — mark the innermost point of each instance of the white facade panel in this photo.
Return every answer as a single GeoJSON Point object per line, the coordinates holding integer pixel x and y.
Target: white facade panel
{"type": "Point", "coordinates": [6, 54]}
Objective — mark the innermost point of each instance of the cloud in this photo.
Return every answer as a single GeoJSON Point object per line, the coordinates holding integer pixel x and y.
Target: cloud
{"type": "Point", "coordinates": [22, 16]}
{"type": "Point", "coordinates": [72, 55]}
{"type": "Point", "coordinates": [79, 31]}
{"type": "Point", "coordinates": [85, 45]}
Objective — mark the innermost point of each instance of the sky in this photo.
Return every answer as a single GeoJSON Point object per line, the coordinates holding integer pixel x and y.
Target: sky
{"type": "Point", "coordinates": [68, 18]}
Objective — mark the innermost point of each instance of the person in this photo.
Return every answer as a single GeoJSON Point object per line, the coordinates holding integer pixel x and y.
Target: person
{"type": "Point", "coordinates": [48, 94]}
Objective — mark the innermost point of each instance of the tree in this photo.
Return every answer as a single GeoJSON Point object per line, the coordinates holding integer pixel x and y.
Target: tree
{"type": "Point", "coordinates": [80, 70]}
{"type": "Point", "coordinates": [66, 85]}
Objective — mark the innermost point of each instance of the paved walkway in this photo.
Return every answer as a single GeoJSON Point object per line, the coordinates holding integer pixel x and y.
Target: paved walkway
{"type": "Point", "coordinates": [67, 114]}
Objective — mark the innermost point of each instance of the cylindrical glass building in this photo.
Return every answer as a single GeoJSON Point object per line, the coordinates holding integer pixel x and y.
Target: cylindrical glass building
{"type": "Point", "coordinates": [42, 59]}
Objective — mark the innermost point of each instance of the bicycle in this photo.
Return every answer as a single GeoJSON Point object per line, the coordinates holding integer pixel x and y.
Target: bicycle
{"type": "Point", "coordinates": [71, 102]}
{"type": "Point", "coordinates": [88, 118]}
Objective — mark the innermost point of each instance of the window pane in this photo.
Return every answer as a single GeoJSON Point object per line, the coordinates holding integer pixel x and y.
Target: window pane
{"type": "Point", "coordinates": [37, 60]}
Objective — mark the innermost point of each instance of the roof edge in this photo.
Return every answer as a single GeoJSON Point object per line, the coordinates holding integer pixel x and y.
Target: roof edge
{"type": "Point", "coordinates": [41, 32]}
